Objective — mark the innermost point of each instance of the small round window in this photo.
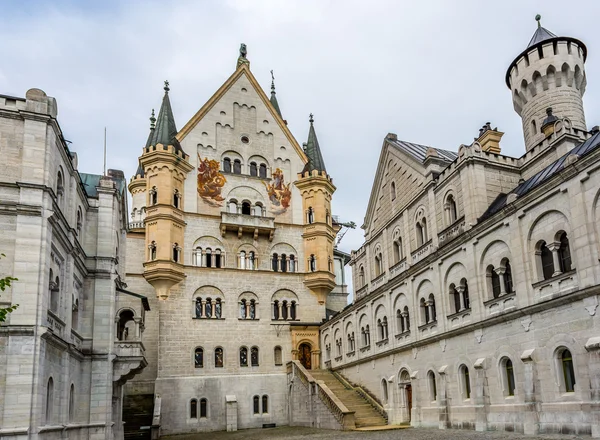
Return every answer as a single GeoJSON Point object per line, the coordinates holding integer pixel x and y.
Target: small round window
{"type": "Point", "coordinates": [245, 139]}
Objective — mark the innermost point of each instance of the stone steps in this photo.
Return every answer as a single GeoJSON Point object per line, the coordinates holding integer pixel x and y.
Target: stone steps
{"type": "Point", "coordinates": [364, 414]}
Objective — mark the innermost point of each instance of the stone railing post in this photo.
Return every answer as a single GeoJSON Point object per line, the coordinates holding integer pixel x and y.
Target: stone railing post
{"type": "Point", "coordinates": [531, 425]}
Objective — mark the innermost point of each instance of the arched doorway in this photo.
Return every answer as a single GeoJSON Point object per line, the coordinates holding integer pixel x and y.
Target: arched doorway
{"type": "Point", "coordinates": [304, 355]}
{"type": "Point", "coordinates": [405, 385]}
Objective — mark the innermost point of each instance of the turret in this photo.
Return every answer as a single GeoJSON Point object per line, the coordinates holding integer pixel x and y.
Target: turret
{"type": "Point", "coordinates": [548, 73]}
{"type": "Point", "coordinates": [165, 166]}
{"type": "Point", "coordinates": [137, 188]}
{"type": "Point", "coordinates": [317, 189]}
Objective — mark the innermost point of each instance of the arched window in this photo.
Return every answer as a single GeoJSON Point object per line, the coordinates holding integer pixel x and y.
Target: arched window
{"type": "Point", "coordinates": [265, 404]}
{"type": "Point", "coordinates": [568, 372]}
{"type": "Point", "coordinates": [243, 310]}
{"type": "Point", "coordinates": [176, 250]}
{"type": "Point", "coordinates": [312, 263]}
{"type": "Point", "coordinates": [209, 257]}
{"type": "Point", "coordinates": [465, 294]}
{"type": "Point", "coordinates": [243, 357]}
{"type": "Point", "coordinates": [203, 408]}
{"type": "Point", "coordinates": [125, 325]}
{"type": "Point", "coordinates": [72, 403]}
{"type": "Point", "coordinates": [455, 298]}
{"type": "Point", "coordinates": [232, 206]}
{"type": "Point", "coordinates": [54, 292]}
{"type": "Point", "coordinates": [258, 209]}
{"type": "Point", "coordinates": [242, 260]}
{"type": "Point", "coordinates": [60, 186]}
{"type": "Point", "coordinates": [246, 208]}
{"type": "Point", "coordinates": [508, 281]}
{"type": "Point", "coordinates": [256, 404]}
{"type": "Point", "coordinates": [432, 385]}
{"type": "Point", "coordinates": [252, 309]}
{"type": "Point", "coordinates": [293, 311]}
{"type": "Point", "coordinates": [564, 253]}
{"type": "Point", "coordinates": [49, 401]}
{"type": "Point", "coordinates": [253, 169]}
{"type": "Point", "coordinates": [208, 307]}
{"type": "Point", "coordinates": [363, 335]}
{"type": "Point", "coordinates": [284, 310]}
{"type": "Point", "coordinates": [368, 333]}
{"type": "Point", "coordinates": [424, 311]}
{"type": "Point", "coordinates": [466, 379]}
{"type": "Point", "coordinates": [406, 318]}
{"type": "Point", "coordinates": [176, 197]}
{"type": "Point", "coordinates": [400, 321]}
{"type": "Point", "coordinates": [237, 167]}
{"type": "Point", "coordinates": [494, 280]}
{"type": "Point", "coordinates": [276, 309]}
{"type": "Point", "coordinates": [218, 357]}
{"type": "Point", "coordinates": [310, 216]}
{"type": "Point", "coordinates": [193, 409]}
{"type": "Point", "coordinates": [380, 329]}
{"type": "Point", "coordinates": [275, 262]}
{"type": "Point", "coordinates": [361, 276]}
{"type": "Point", "coordinates": [227, 165]}
{"type": "Point", "coordinates": [277, 355]}
{"type": "Point", "coordinates": [377, 265]}
{"type": "Point", "coordinates": [152, 251]}
{"type": "Point", "coordinates": [452, 209]}
{"type": "Point", "coordinates": [254, 356]}
{"type": "Point", "coordinates": [153, 196]}
{"type": "Point", "coordinates": [292, 263]}
{"type": "Point", "coordinates": [398, 252]}
{"type": "Point", "coordinates": [251, 261]}
{"type": "Point", "coordinates": [79, 221]}
{"type": "Point", "coordinates": [546, 261]}
{"type": "Point", "coordinates": [218, 258]}
{"type": "Point", "coordinates": [533, 127]}
{"type": "Point", "coordinates": [393, 191]}
{"type": "Point", "coordinates": [384, 324]}
{"type": "Point", "coordinates": [384, 388]}
{"type": "Point", "coordinates": [218, 308]}
{"type": "Point", "coordinates": [420, 239]}
{"type": "Point", "coordinates": [262, 171]}
{"type": "Point", "coordinates": [199, 358]}
{"type": "Point", "coordinates": [509, 377]}
{"type": "Point", "coordinates": [283, 263]}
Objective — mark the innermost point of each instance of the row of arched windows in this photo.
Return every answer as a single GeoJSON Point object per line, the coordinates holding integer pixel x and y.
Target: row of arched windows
{"type": "Point", "coordinates": [194, 408]}
{"type": "Point", "coordinates": [199, 361]}
{"type": "Point", "coordinates": [554, 258]}
{"type": "Point", "coordinates": [246, 208]}
{"type": "Point", "coordinates": [50, 414]}
{"type": "Point", "coordinates": [208, 308]}
{"type": "Point", "coordinates": [153, 195]}
{"type": "Point", "coordinates": [235, 167]}
{"type": "Point", "coordinates": [208, 257]}
{"type": "Point", "coordinates": [247, 260]}
{"type": "Point", "coordinates": [284, 263]}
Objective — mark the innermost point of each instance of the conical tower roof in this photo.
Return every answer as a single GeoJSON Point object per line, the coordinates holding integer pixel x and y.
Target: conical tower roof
{"type": "Point", "coordinates": [313, 151]}
{"type": "Point", "coordinates": [165, 131]}
{"type": "Point", "coordinates": [540, 34]}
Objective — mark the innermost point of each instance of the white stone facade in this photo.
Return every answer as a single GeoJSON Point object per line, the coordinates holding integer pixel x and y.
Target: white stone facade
{"type": "Point", "coordinates": [63, 233]}
{"type": "Point", "coordinates": [478, 282]}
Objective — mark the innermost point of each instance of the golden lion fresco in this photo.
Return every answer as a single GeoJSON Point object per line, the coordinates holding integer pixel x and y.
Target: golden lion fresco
{"type": "Point", "coordinates": [210, 181]}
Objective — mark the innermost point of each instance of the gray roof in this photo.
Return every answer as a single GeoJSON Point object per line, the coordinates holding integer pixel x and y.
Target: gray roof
{"type": "Point", "coordinates": [90, 183]}
{"type": "Point", "coordinates": [313, 151]}
{"type": "Point", "coordinates": [540, 34]}
{"type": "Point", "coordinates": [419, 152]}
{"type": "Point", "coordinates": [554, 168]}
{"type": "Point", "coordinates": [165, 130]}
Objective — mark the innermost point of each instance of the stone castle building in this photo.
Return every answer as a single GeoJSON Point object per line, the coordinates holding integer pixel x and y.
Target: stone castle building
{"type": "Point", "coordinates": [217, 300]}
{"type": "Point", "coordinates": [476, 289]}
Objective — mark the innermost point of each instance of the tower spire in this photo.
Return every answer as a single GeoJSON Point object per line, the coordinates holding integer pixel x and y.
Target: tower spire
{"type": "Point", "coordinates": [165, 130]}
{"type": "Point", "coordinates": [273, 99]}
{"type": "Point", "coordinates": [313, 151]}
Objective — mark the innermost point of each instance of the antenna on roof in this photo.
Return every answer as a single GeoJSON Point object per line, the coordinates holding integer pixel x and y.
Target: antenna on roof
{"type": "Point", "coordinates": [104, 171]}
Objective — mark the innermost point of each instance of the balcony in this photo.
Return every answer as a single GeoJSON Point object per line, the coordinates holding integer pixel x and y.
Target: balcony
{"type": "Point", "coordinates": [398, 268]}
{"type": "Point", "coordinates": [137, 225]}
{"type": "Point", "coordinates": [451, 232]}
{"type": "Point", "coordinates": [421, 252]}
{"type": "Point", "coordinates": [240, 223]}
{"type": "Point", "coordinates": [130, 360]}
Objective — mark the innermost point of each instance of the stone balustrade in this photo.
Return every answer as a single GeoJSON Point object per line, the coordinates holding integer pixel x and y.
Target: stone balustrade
{"type": "Point", "coordinates": [243, 223]}
{"type": "Point", "coordinates": [451, 232]}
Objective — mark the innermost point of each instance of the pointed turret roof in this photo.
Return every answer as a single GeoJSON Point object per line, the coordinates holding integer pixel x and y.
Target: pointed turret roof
{"type": "Point", "coordinates": [273, 99]}
{"type": "Point", "coordinates": [313, 151]}
{"type": "Point", "coordinates": [540, 34]}
{"type": "Point", "coordinates": [165, 130]}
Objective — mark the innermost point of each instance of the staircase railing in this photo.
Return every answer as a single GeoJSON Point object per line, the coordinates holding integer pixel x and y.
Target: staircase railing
{"type": "Point", "coordinates": [342, 414]}
{"type": "Point", "coordinates": [363, 393]}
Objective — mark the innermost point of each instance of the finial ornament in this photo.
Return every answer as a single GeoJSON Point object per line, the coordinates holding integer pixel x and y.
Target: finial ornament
{"type": "Point", "coordinates": [272, 82]}
{"type": "Point", "coordinates": [311, 119]}
{"type": "Point", "coordinates": [242, 58]}
{"type": "Point", "coordinates": [538, 19]}
{"type": "Point", "coordinates": [152, 121]}
{"type": "Point", "coordinates": [167, 86]}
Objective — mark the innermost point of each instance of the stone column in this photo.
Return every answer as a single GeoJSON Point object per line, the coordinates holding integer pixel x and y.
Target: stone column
{"type": "Point", "coordinates": [315, 357]}
{"type": "Point", "coordinates": [203, 258]}
{"type": "Point", "coordinates": [247, 309]}
{"type": "Point", "coordinates": [429, 306]}
{"type": "Point", "coordinates": [138, 326]}
{"type": "Point", "coordinates": [279, 263]}
{"type": "Point", "coordinates": [289, 311]}
{"type": "Point", "coordinates": [203, 308]}
{"type": "Point", "coordinates": [280, 306]}
{"type": "Point", "coordinates": [501, 271]}
{"type": "Point", "coordinates": [554, 247]}
{"type": "Point", "coordinates": [460, 290]}
{"type": "Point", "coordinates": [480, 396]}
{"type": "Point", "coordinates": [531, 424]}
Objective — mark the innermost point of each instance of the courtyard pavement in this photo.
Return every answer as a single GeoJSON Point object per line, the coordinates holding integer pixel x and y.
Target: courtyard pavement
{"type": "Point", "coordinates": [297, 433]}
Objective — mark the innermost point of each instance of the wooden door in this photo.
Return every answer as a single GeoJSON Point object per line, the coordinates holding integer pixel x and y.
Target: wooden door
{"type": "Point", "coordinates": [304, 356]}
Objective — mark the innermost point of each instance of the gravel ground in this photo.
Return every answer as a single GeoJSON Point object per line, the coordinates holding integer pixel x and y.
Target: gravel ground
{"type": "Point", "coordinates": [296, 433]}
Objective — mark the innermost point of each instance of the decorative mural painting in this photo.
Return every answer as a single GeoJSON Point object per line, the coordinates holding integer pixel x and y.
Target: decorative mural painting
{"type": "Point", "coordinates": [210, 181]}
{"type": "Point", "coordinates": [279, 192]}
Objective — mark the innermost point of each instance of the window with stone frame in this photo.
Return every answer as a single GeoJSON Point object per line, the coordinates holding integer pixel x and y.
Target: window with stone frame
{"type": "Point", "coordinates": [193, 409]}
{"type": "Point", "coordinates": [203, 408]}
{"type": "Point", "coordinates": [265, 404]}
{"type": "Point", "coordinates": [278, 356]}
{"type": "Point", "coordinates": [432, 385]}
{"type": "Point", "coordinates": [243, 356]}
{"type": "Point", "coordinates": [219, 357]}
{"type": "Point", "coordinates": [199, 357]}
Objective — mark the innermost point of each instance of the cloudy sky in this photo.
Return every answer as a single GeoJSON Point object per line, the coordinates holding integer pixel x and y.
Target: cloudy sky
{"type": "Point", "coordinates": [430, 71]}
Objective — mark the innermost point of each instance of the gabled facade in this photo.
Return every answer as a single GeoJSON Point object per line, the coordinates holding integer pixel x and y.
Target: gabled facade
{"type": "Point", "coordinates": [477, 285]}
{"type": "Point", "coordinates": [237, 248]}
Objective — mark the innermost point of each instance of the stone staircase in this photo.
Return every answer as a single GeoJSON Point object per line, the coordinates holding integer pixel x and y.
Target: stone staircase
{"type": "Point", "coordinates": [364, 413]}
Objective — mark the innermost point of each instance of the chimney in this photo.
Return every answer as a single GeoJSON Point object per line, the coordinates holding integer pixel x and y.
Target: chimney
{"type": "Point", "coordinates": [489, 138]}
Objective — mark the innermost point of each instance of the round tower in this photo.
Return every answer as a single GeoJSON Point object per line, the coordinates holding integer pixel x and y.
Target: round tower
{"type": "Point", "coordinates": [550, 72]}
